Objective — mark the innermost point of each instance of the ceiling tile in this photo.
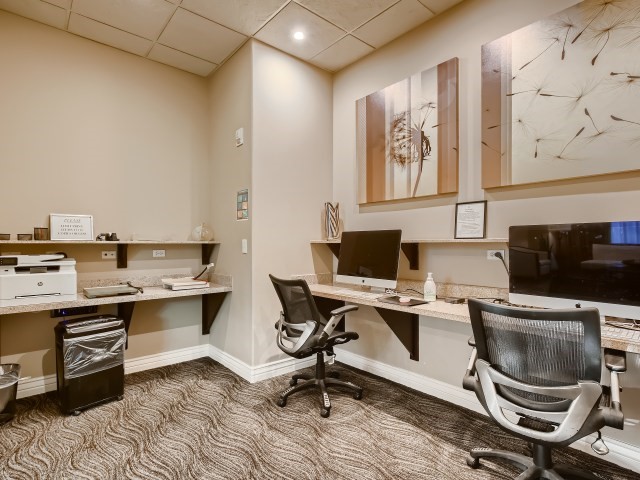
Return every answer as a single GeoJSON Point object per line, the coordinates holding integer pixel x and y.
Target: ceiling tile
{"type": "Point", "coordinates": [180, 60]}
{"type": "Point", "coordinates": [345, 51]}
{"type": "Point", "coordinates": [66, 4]}
{"type": "Point", "coordinates": [195, 35]}
{"type": "Point", "coordinates": [319, 34]}
{"type": "Point", "coordinates": [37, 10]}
{"type": "Point", "coordinates": [347, 14]}
{"type": "Point", "coordinates": [439, 6]}
{"type": "Point", "coordinates": [245, 16]}
{"type": "Point", "coordinates": [145, 18]}
{"type": "Point", "coordinates": [85, 27]}
{"type": "Point", "coordinates": [392, 23]}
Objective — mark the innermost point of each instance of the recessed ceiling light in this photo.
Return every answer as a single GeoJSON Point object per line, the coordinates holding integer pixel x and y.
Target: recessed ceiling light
{"type": "Point", "coordinates": [298, 35]}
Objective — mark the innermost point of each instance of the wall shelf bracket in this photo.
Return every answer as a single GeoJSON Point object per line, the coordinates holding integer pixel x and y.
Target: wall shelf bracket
{"type": "Point", "coordinates": [211, 304]}
{"type": "Point", "coordinates": [405, 326]}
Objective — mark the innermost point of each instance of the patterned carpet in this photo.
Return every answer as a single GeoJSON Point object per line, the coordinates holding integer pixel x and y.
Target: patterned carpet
{"type": "Point", "coordinates": [198, 420]}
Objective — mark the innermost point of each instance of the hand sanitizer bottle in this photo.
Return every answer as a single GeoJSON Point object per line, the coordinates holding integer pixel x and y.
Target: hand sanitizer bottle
{"type": "Point", "coordinates": [430, 288]}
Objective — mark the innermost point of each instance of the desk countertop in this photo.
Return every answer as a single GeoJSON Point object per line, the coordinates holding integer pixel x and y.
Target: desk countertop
{"type": "Point", "coordinates": [612, 337]}
{"type": "Point", "coordinates": [150, 293]}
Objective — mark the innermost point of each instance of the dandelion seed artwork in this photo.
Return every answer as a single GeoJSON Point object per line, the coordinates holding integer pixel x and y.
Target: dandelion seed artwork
{"type": "Point", "coordinates": [407, 137]}
{"type": "Point", "coordinates": [561, 97]}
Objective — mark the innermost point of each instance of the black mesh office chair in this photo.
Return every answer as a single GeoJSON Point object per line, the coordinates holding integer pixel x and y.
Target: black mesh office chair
{"type": "Point", "coordinates": [302, 332]}
{"type": "Point", "coordinates": [544, 366]}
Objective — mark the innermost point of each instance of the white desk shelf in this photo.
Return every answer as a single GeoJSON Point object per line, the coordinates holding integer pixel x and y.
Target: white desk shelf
{"type": "Point", "coordinates": [411, 247]}
{"type": "Point", "coordinates": [121, 246]}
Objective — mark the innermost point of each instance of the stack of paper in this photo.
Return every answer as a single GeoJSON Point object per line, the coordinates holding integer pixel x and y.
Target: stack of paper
{"type": "Point", "coordinates": [184, 283]}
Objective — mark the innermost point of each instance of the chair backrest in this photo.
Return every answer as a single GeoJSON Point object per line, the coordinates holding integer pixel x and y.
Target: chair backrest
{"type": "Point", "coordinates": [538, 346]}
{"type": "Point", "coordinates": [298, 304]}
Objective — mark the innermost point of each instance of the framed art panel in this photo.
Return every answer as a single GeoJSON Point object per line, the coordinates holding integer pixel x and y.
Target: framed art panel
{"type": "Point", "coordinates": [407, 137]}
{"type": "Point", "coordinates": [560, 97]}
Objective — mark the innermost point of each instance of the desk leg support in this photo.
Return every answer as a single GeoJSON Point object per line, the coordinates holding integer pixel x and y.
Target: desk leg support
{"type": "Point", "coordinates": [405, 326]}
{"type": "Point", "coordinates": [125, 312]}
{"type": "Point", "coordinates": [211, 304]}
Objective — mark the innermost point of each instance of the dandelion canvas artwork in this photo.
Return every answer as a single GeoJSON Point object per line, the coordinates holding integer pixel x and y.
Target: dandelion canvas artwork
{"type": "Point", "coordinates": [407, 137]}
{"type": "Point", "coordinates": [561, 97]}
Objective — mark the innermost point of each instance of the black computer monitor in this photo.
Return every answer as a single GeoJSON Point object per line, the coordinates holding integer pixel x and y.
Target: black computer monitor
{"type": "Point", "coordinates": [369, 257]}
{"type": "Point", "coordinates": [593, 264]}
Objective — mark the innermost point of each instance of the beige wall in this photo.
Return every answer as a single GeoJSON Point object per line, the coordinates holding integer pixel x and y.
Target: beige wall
{"type": "Point", "coordinates": [291, 179]}
{"type": "Point", "coordinates": [230, 100]}
{"type": "Point", "coordinates": [459, 33]}
{"type": "Point", "coordinates": [90, 129]}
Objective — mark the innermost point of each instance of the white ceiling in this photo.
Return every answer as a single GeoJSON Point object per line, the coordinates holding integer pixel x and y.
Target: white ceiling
{"type": "Point", "coordinates": [199, 35]}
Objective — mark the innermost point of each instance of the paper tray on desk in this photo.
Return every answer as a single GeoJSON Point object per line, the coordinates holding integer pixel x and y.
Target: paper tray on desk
{"type": "Point", "coordinates": [111, 291]}
{"type": "Point", "coordinates": [395, 300]}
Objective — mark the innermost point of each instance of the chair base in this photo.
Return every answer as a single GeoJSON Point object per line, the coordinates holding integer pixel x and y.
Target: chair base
{"type": "Point", "coordinates": [533, 468]}
{"type": "Point", "coordinates": [320, 381]}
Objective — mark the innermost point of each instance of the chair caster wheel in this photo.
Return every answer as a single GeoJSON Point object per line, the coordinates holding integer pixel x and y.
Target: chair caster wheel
{"type": "Point", "coordinates": [293, 382]}
{"type": "Point", "coordinates": [473, 462]}
{"type": "Point", "coordinates": [357, 395]}
{"type": "Point", "coordinates": [281, 402]}
{"type": "Point", "coordinates": [75, 413]}
{"type": "Point", "coordinates": [325, 412]}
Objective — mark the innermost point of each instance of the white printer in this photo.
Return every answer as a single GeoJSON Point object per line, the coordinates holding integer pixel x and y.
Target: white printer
{"type": "Point", "coordinates": [28, 279]}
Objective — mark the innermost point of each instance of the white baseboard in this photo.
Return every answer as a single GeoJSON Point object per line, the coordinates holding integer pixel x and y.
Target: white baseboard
{"type": "Point", "coordinates": [261, 372]}
{"type": "Point", "coordinates": [620, 453]}
{"type": "Point", "coordinates": [37, 385]}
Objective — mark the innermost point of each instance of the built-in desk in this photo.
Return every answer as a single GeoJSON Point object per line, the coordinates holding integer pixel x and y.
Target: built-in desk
{"type": "Point", "coordinates": [403, 320]}
{"type": "Point", "coordinates": [212, 298]}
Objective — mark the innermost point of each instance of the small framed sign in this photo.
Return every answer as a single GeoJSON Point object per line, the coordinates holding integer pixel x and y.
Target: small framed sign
{"type": "Point", "coordinates": [70, 227]}
{"type": "Point", "coordinates": [471, 219]}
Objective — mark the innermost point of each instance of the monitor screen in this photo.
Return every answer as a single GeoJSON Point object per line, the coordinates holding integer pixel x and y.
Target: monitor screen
{"type": "Point", "coordinates": [591, 264]}
{"type": "Point", "coordinates": [369, 258]}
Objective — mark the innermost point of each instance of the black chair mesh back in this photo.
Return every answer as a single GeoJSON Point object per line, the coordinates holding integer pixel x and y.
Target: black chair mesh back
{"type": "Point", "coordinates": [538, 352]}
{"type": "Point", "coordinates": [297, 302]}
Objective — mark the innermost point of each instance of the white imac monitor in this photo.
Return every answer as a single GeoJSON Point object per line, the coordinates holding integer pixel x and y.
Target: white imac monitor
{"type": "Point", "coordinates": [590, 264]}
{"type": "Point", "coordinates": [369, 258]}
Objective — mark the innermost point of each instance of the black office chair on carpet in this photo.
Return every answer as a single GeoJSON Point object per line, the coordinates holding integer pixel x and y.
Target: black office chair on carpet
{"type": "Point", "coordinates": [543, 368]}
{"type": "Point", "coordinates": [302, 332]}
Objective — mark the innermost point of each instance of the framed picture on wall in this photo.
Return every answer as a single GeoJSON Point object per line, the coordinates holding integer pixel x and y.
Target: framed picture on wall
{"type": "Point", "coordinates": [71, 227]}
{"type": "Point", "coordinates": [471, 219]}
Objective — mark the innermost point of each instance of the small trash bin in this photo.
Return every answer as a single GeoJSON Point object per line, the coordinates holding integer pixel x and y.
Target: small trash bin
{"type": "Point", "coordinates": [9, 376]}
{"type": "Point", "coordinates": [89, 361]}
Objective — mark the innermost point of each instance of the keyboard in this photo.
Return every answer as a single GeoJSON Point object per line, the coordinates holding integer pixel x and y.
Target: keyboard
{"type": "Point", "coordinates": [356, 294]}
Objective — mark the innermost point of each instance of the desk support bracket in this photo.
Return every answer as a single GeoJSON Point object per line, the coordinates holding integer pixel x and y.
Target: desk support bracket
{"type": "Point", "coordinates": [211, 303]}
{"type": "Point", "coordinates": [125, 312]}
{"type": "Point", "coordinates": [405, 326]}
{"type": "Point", "coordinates": [121, 255]}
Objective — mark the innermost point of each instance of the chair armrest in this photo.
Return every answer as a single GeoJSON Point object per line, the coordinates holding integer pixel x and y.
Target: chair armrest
{"type": "Point", "coordinates": [336, 316]}
{"type": "Point", "coordinates": [615, 360]}
{"type": "Point", "coordinates": [343, 310]}
{"type": "Point", "coordinates": [469, 380]}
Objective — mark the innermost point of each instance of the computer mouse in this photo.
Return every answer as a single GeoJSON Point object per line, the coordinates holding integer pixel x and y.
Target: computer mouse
{"type": "Point", "coordinates": [404, 299]}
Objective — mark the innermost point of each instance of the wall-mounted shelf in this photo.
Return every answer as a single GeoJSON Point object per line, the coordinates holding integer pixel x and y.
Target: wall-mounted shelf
{"type": "Point", "coordinates": [411, 247]}
{"type": "Point", "coordinates": [122, 246]}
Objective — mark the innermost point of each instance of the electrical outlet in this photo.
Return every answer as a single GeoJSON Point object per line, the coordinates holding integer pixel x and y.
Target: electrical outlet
{"type": "Point", "coordinates": [491, 254]}
{"type": "Point", "coordinates": [158, 253]}
{"type": "Point", "coordinates": [108, 254]}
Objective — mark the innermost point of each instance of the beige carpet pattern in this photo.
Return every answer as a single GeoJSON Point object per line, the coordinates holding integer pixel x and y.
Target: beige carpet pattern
{"type": "Point", "coordinates": [198, 420]}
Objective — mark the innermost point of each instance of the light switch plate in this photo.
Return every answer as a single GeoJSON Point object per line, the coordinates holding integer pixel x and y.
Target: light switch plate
{"type": "Point", "coordinates": [239, 137]}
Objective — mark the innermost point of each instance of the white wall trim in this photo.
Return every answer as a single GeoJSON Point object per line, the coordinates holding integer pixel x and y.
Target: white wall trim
{"type": "Point", "coordinates": [620, 453]}
{"type": "Point", "coordinates": [37, 385]}
{"type": "Point", "coordinates": [261, 372]}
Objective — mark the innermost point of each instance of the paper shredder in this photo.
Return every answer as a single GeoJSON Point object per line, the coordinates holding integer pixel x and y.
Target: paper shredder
{"type": "Point", "coordinates": [9, 376]}
{"type": "Point", "coordinates": [90, 361]}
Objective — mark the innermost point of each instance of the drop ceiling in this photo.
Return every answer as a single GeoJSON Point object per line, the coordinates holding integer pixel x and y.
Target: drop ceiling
{"type": "Point", "coordinates": [200, 35]}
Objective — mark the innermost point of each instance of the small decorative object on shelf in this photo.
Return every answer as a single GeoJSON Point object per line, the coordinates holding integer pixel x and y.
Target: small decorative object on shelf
{"type": "Point", "coordinates": [40, 233]}
{"type": "Point", "coordinates": [25, 236]}
{"type": "Point", "coordinates": [5, 236]}
{"type": "Point", "coordinates": [71, 227]}
{"type": "Point", "coordinates": [332, 220]}
{"type": "Point", "coordinates": [202, 233]}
